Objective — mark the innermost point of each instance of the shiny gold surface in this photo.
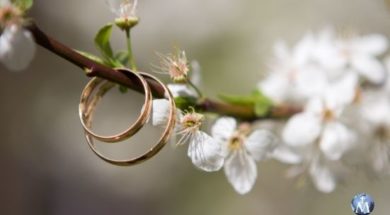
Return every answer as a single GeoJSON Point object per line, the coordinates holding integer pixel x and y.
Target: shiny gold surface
{"type": "Point", "coordinates": [88, 104]}
{"type": "Point", "coordinates": [87, 114]}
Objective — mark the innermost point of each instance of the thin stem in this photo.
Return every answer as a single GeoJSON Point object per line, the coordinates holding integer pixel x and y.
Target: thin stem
{"type": "Point", "coordinates": [132, 63]}
{"type": "Point", "coordinates": [197, 90]}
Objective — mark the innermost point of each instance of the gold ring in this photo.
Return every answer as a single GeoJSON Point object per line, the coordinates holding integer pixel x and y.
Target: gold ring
{"type": "Point", "coordinates": [87, 107]}
{"type": "Point", "coordinates": [161, 142]}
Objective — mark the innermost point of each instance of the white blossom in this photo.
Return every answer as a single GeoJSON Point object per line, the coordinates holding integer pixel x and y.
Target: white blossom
{"type": "Point", "coordinates": [294, 76]}
{"type": "Point", "coordinates": [320, 121]}
{"type": "Point", "coordinates": [360, 54]}
{"type": "Point", "coordinates": [318, 136]}
{"type": "Point", "coordinates": [386, 86]}
{"type": "Point", "coordinates": [286, 69]}
{"type": "Point", "coordinates": [17, 48]}
{"type": "Point", "coordinates": [204, 151]}
{"type": "Point", "coordinates": [160, 112]}
{"type": "Point", "coordinates": [287, 154]}
{"type": "Point", "coordinates": [375, 111]}
{"type": "Point", "coordinates": [310, 162]}
{"type": "Point", "coordinates": [241, 151]}
{"type": "Point", "coordinates": [322, 175]}
{"type": "Point", "coordinates": [123, 8]}
{"type": "Point", "coordinates": [182, 89]}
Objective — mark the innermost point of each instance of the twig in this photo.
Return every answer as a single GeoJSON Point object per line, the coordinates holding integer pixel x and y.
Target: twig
{"type": "Point", "coordinates": [94, 69]}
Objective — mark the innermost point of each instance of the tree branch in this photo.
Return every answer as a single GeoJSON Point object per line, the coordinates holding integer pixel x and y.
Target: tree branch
{"type": "Point", "coordinates": [94, 69]}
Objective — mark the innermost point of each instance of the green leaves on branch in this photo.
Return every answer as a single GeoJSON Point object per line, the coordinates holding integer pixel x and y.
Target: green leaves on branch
{"type": "Point", "coordinates": [185, 102]}
{"type": "Point", "coordinates": [23, 5]}
{"type": "Point", "coordinates": [91, 57]}
{"type": "Point", "coordinates": [260, 103]}
{"type": "Point", "coordinates": [109, 58]}
{"type": "Point", "coordinates": [122, 57]}
{"type": "Point", "coordinates": [102, 41]}
{"type": "Point", "coordinates": [103, 44]}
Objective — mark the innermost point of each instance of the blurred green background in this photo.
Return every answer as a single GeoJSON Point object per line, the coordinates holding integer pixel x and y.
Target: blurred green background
{"type": "Point", "coordinates": [47, 168]}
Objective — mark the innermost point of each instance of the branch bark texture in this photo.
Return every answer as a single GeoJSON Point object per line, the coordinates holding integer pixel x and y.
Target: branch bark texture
{"type": "Point", "coordinates": [95, 69]}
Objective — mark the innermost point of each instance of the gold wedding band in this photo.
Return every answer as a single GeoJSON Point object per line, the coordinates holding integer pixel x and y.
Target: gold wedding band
{"type": "Point", "coordinates": [161, 142]}
{"type": "Point", "coordinates": [87, 107]}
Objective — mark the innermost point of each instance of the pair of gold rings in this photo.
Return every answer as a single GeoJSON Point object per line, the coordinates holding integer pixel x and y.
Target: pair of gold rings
{"type": "Point", "coordinates": [88, 104]}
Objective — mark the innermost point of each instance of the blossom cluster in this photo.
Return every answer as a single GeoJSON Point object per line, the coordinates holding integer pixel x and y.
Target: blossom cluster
{"type": "Point", "coordinates": [342, 82]}
{"type": "Point", "coordinates": [233, 146]}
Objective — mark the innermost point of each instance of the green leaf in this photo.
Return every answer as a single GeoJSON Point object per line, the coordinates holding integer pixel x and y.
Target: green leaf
{"type": "Point", "coordinates": [263, 104]}
{"type": "Point", "coordinates": [123, 89]}
{"type": "Point", "coordinates": [112, 63]}
{"type": "Point", "coordinates": [257, 100]}
{"type": "Point", "coordinates": [237, 100]}
{"type": "Point", "coordinates": [92, 57]}
{"type": "Point", "coordinates": [23, 4]}
{"type": "Point", "coordinates": [102, 41]}
{"type": "Point", "coordinates": [122, 57]}
{"type": "Point", "coordinates": [262, 109]}
{"type": "Point", "coordinates": [184, 103]}
{"type": "Point", "coordinates": [260, 97]}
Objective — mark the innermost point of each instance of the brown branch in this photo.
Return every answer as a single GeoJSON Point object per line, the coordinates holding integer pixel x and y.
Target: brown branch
{"type": "Point", "coordinates": [94, 69]}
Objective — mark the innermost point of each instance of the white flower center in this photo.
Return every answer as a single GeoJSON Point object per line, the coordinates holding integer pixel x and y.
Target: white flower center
{"type": "Point", "coordinates": [383, 132]}
{"type": "Point", "coordinates": [328, 115]}
{"type": "Point", "coordinates": [10, 15]}
{"type": "Point", "coordinates": [236, 141]}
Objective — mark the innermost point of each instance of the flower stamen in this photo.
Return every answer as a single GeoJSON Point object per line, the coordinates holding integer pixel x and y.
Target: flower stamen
{"type": "Point", "coordinates": [328, 115]}
{"type": "Point", "coordinates": [176, 65]}
{"type": "Point", "coordinates": [10, 15]}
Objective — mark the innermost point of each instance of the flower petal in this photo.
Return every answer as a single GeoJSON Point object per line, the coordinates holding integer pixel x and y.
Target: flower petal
{"type": "Point", "coordinates": [311, 81]}
{"type": "Point", "coordinates": [315, 106]}
{"type": "Point", "coordinates": [205, 152]}
{"type": "Point", "coordinates": [122, 8]}
{"type": "Point", "coordinates": [327, 52]}
{"type": "Point", "coordinates": [259, 143]}
{"type": "Point", "coordinates": [342, 92]}
{"type": "Point", "coordinates": [373, 44]}
{"type": "Point", "coordinates": [240, 170]}
{"type": "Point", "coordinates": [380, 156]}
{"type": "Point", "coordinates": [160, 112]}
{"type": "Point", "coordinates": [322, 177]}
{"type": "Point", "coordinates": [196, 73]}
{"type": "Point", "coordinates": [223, 128]}
{"type": "Point", "coordinates": [276, 86]}
{"type": "Point", "coordinates": [285, 154]}
{"type": "Point", "coordinates": [375, 108]}
{"type": "Point", "coordinates": [336, 140]}
{"type": "Point", "coordinates": [302, 129]}
{"type": "Point", "coordinates": [17, 48]}
{"type": "Point", "coordinates": [369, 67]}
{"type": "Point", "coordinates": [303, 50]}
{"type": "Point", "coordinates": [181, 90]}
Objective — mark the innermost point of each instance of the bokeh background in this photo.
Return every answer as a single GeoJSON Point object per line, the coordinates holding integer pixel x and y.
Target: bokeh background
{"type": "Point", "coordinates": [47, 168]}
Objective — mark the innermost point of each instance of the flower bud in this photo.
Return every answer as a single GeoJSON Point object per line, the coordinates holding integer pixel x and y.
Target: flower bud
{"type": "Point", "coordinates": [125, 11]}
